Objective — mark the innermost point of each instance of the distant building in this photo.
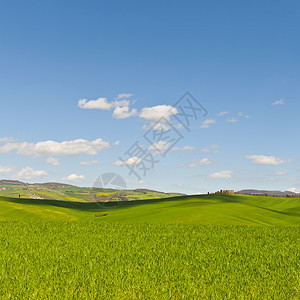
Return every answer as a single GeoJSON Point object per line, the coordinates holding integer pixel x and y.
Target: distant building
{"type": "Point", "coordinates": [225, 192]}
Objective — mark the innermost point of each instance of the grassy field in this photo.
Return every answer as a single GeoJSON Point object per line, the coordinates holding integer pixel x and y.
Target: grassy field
{"type": "Point", "coordinates": [203, 209]}
{"type": "Point", "coordinates": [91, 260]}
{"type": "Point", "coordinates": [189, 247]}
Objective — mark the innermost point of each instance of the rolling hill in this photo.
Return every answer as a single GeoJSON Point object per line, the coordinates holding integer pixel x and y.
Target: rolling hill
{"type": "Point", "coordinates": [197, 209]}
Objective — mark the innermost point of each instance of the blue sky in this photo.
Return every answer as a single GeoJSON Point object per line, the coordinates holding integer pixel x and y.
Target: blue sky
{"type": "Point", "coordinates": [135, 59]}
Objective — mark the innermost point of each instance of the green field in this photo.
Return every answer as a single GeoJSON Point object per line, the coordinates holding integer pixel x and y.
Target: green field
{"type": "Point", "coordinates": [203, 209]}
{"type": "Point", "coordinates": [192, 247]}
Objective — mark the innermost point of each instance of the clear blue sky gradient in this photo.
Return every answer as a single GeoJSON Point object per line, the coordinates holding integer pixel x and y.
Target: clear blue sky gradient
{"type": "Point", "coordinates": [235, 56]}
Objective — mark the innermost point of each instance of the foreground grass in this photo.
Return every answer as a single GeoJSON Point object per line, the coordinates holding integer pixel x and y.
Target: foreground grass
{"type": "Point", "coordinates": [89, 259]}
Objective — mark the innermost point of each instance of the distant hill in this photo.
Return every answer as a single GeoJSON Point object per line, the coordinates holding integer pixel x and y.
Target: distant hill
{"type": "Point", "coordinates": [54, 185]}
{"type": "Point", "coordinates": [268, 193]}
{"type": "Point", "coordinates": [62, 191]}
{"type": "Point", "coordinates": [11, 182]}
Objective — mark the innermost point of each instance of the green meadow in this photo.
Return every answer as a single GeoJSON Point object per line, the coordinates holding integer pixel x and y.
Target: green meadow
{"type": "Point", "coordinates": [203, 209]}
{"type": "Point", "coordinates": [191, 247]}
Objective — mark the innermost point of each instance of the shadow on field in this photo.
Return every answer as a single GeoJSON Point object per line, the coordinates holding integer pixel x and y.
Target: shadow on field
{"type": "Point", "coordinates": [194, 200]}
{"type": "Point", "coordinates": [89, 206]}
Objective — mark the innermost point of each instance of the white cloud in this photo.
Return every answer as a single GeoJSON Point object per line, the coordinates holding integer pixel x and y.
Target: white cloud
{"type": "Point", "coordinates": [5, 169]}
{"type": "Point", "coordinates": [129, 162]}
{"type": "Point", "coordinates": [121, 107]}
{"type": "Point", "coordinates": [185, 148]}
{"type": "Point", "coordinates": [159, 147]}
{"type": "Point", "coordinates": [155, 113]}
{"type": "Point", "coordinates": [207, 123]}
{"type": "Point", "coordinates": [232, 120]}
{"type": "Point", "coordinates": [279, 102]}
{"type": "Point", "coordinates": [75, 147]}
{"type": "Point", "coordinates": [294, 190]}
{"type": "Point", "coordinates": [281, 172]}
{"type": "Point", "coordinates": [265, 160]}
{"type": "Point", "coordinates": [222, 113]}
{"type": "Point", "coordinates": [122, 96]}
{"type": "Point", "coordinates": [240, 114]}
{"type": "Point", "coordinates": [212, 147]}
{"type": "Point", "coordinates": [53, 161]}
{"type": "Point", "coordinates": [100, 103]}
{"type": "Point", "coordinates": [74, 178]}
{"type": "Point", "coordinates": [223, 174]}
{"type": "Point", "coordinates": [6, 140]}
{"type": "Point", "coordinates": [123, 112]}
{"type": "Point", "coordinates": [202, 162]}
{"type": "Point", "coordinates": [90, 163]}
{"type": "Point", "coordinates": [28, 173]}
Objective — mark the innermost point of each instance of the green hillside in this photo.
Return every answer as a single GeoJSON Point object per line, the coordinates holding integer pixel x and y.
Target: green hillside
{"type": "Point", "coordinates": [197, 209]}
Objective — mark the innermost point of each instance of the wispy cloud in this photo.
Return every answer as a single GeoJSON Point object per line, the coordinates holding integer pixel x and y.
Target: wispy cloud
{"type": "Point", "coordinates": [52, 161]}
{"type": "Point", "coordinates": [68, 148]}
{"type": "Point", "coordinates": [74, 178]}
{"type": "Point", "coordinates": [90, 163]}
{"type": "Point", "coordinates": [232, 120]}
{"type": "Point", "coordinates": [266, 160]}
{"type": "Point", "coordinates": [212, 148]}
{"type": "Point", "coordinates": [5, 140]}
{"type": "Point", "coordinates": [185, 148]}
{"type": "Point", "coordinates": [223, 174]}
{"type": "Point", "coordinates": [279, 102]}
{"type": "Point", "coordinates": [129, 162]}
{"type": "Point", "coordinates": [28, 173]}
{"type": "Point", "coordinates": [202, 162]}
{"type": "Point", "coordinates": [122, 96]}
{"type": "Point", "coordinates": [222, 113]}
{"type": "Point", "coordinates": [5, 169]}
{"type": "Point", "coordinates": [207, 123]}
{"type": "Point", "coordinates": [281, 172]}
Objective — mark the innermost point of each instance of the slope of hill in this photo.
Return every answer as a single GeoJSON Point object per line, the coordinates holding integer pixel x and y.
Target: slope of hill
{"type": "Point", "coordinates": [61, 191]}
{"type": "Point", "coordinates": [198, 209]}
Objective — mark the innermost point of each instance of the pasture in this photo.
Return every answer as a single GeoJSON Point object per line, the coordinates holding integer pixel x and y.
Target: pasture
{"type": "Point", "coordinates": [219, 247]}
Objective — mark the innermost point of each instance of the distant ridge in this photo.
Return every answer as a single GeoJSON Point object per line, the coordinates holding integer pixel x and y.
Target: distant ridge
{"type": "Point", "coordinates": [11, 182]}
{"type": "Point", "coordinates": [54, 185]}
{"type": "Point", "coordinates": [46, 184]}
{"type": "Point", "coordinates": [268, 193]}
{"type": "Point", "coordinates": [154, 191]}
{"type": "Point", "coordinates": [58, 185]}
